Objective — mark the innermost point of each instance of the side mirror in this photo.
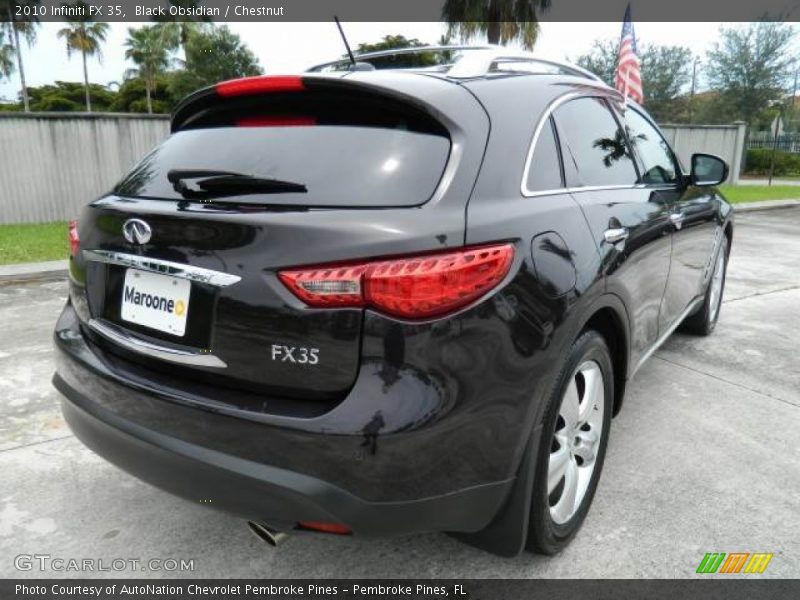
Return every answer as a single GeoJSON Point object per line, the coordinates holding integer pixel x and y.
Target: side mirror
{"type": "Point", "coordinates": [708, 169]}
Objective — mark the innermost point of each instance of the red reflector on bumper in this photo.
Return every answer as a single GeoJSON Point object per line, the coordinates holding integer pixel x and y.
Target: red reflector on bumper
{"type": "Point", "coordinates": [74, 240]}
{"type": "Point", "coordinates": [325, 527]}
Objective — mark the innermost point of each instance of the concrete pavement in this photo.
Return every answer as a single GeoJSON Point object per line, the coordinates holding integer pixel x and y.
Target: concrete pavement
{"type": "Point", "coordinates": [747, 207]}
{"type": "Point", "coordinates": [41, 271]}
{"type": "Point", "coordinates": [702, 458]}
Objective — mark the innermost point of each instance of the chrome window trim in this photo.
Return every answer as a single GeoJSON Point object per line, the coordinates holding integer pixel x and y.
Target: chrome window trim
{"type": "Point", "coordinates": [194, 357]}
{"type": "Point", "coordinates": [537, 131]}
{"type": "Point", "coordinates": [585, 188]}
{"type": "Point", "coordinates": [164, 267]}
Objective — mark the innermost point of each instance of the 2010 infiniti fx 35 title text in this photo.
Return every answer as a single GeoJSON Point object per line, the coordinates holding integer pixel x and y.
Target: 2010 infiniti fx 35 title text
{"type": "Point", "coordinates": [375, 302]}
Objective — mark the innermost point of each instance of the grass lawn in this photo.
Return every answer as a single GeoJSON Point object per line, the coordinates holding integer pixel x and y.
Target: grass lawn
{"type": "Point", "coordinates": [754, 193]}
{"type": "Point", "coordinates": [33, 242]}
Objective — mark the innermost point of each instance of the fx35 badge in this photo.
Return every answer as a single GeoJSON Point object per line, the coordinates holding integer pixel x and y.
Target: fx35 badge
{"type": "Point", "coordinates": [295, 354]}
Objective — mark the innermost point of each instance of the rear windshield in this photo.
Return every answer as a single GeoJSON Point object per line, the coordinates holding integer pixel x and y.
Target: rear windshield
{"type": "Point", "coordinates": [331, 165]}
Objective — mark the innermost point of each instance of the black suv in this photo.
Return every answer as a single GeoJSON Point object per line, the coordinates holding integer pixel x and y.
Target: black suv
{"type": "Point", "coordinates": [375, 302]}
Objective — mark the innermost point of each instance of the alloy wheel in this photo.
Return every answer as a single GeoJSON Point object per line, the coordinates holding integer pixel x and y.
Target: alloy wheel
{"type": "Point", "coordinates": [576, 441]}
{"type": "Point", "coordinates": [716, 288]}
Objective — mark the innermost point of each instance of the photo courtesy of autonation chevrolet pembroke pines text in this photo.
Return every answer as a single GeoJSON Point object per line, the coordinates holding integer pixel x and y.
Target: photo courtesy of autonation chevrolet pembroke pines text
{"type": "Point", "coordinates": [376, 299]}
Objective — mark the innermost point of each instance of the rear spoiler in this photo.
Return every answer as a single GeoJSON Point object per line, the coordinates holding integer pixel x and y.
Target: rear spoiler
{"type": "Point", "coordinates": [202, 100]}
{"type": "Point", "coordinates": [409, 91]}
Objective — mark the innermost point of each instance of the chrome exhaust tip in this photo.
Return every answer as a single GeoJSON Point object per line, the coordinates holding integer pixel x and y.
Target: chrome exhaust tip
{"type": "Point", "coordinates": [267, 534]}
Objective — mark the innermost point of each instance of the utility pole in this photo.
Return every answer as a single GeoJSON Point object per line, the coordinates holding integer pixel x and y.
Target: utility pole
{"type": "Point", "coordinates": [694, 81]}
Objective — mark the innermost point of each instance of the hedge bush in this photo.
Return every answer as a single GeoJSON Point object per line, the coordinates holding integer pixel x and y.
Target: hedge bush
{"type": "Point", "coordinates": [758, 161]}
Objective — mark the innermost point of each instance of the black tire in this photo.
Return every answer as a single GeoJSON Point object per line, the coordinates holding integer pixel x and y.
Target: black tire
{"type": "Point", "coordinates": [705, 320]}
{"type": "Point", "coordinates": [545, 536]}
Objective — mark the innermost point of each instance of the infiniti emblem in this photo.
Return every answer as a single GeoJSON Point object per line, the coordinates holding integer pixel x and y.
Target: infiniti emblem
{"type": "Point", "coordinates": [136, 231]}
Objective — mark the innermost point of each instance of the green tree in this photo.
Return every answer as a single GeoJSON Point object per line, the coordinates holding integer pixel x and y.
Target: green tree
{"type": "Point", "coordinates": [14, 28]}
{"type": "Point", "coordinates": [211, 56]}
{"type": "Point", "coordinates": [69, 96]}
{"type": "Point", "coordinates": [666, 70]}
{"type": "Point", "coordinates": [130, 98]}
{"type": "Point", "coordinates": [750, 67]}
{"type": "Point", "coordinates": [666, 73]}
{"type": "Point", "coordinates": [502, 21]}
{"type": "Point", "coordinates": [400, 61]}
{"type": "Point", "coordinates": [389, 42]}
{"type": "Point", "coordinates": [601, 59]}
{"type": "Point", "coordinates": [84, 36]}
{"type": "Point", "coordinates": [148, 48]}
{"type": "Point", "coordinates": [180, 27]}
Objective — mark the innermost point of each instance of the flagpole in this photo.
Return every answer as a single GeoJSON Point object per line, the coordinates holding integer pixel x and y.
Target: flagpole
{"type": "Point", "coordinates": [625, 92]}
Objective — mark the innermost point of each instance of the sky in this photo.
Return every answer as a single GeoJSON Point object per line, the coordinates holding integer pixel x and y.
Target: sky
{"type": "Point", "coordinates": [293, 47]}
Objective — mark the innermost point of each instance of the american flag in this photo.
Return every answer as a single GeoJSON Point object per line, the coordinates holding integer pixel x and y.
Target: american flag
{"type": "Point", "coordinates": [628, 77]}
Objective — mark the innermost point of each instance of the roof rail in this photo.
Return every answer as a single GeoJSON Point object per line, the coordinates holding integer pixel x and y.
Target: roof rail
{"type": "Point", "coordinates": [365, 56]}
{"type": "Point", "coordinates": [480, 63]}
{"type": "Point", "coordinates": [477, 61]}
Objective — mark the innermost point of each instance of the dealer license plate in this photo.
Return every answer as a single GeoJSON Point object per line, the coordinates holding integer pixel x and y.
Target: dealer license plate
{"type": "Point", "coordinates": [156, 301]}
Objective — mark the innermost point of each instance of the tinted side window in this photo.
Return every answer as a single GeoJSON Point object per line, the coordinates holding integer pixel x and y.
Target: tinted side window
{"type": "Point", "coordinates": [652, 150]}
{"type": "Point", "coordinates": [545, 169]}
{"type": "Point", "coordinates": [594, 143]}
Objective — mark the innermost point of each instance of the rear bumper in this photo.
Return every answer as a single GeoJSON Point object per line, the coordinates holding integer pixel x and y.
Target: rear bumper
{"type": "Point", "coordinates": [148, 437]}
{"type": "Point", "coordinates": [258, 491]}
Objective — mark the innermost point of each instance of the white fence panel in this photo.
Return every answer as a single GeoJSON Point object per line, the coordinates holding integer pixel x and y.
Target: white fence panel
{"type": "Point", "coordinates": [726, 141]}
{"type": "Point", "coordinates": [53, 164]}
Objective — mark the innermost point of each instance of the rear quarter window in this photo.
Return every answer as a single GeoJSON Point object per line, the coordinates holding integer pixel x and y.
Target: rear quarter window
{"type": "Point", "coordinates": [544, 170]}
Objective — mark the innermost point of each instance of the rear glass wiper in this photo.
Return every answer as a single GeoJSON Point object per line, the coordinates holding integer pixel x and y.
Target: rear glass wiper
{"type": "Point", "coordinates": [202, 183]}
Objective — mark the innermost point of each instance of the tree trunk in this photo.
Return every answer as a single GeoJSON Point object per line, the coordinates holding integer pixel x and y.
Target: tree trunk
{"type": "Point", "coordinates": [86, 83]}
{"type": "Point", "coordinates": [18, 50]}
{"type": "Point", "coordinates": [493, 25]}
{"type": "Point", "coordinates": [147, 95]}
{"type": "Point", "coordinates": [493, 32]}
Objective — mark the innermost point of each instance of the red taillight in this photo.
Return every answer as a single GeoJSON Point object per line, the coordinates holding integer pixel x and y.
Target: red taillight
{"type": "Point", "coordinates": [74, 240]}
{"type": "Point", "coordinates": [325, 527]}
{"type": "Point", "coordinates": [413, 288]}
{"type": "Point", "coordinates": [261, 84]}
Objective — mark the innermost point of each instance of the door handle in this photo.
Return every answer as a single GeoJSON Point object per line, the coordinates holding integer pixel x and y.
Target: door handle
{"type": "Point", "coordinates": [616, 235]}
{"type": "Point", "coordinates": [676, 219]}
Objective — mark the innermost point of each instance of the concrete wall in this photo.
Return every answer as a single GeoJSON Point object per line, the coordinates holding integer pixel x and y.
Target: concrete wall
{"type": "Point", "coordinates": [726, 141]}
{"type": "Point", "coordinates": [53, 164]}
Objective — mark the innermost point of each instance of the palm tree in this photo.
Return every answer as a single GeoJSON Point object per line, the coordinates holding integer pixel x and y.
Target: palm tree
{"type": "Point", "coordinates": [13, 28]}
{"type": "Point", "coordinates": [178, 29]}
{"type": "Point", "coordinates": [149, 50]}
{"type": "Point", "coordinates": [502, 21]}
{"type": "Point", "coordinates": [6, 57]}
{"type": "Point", "coordinates": [85, 37]}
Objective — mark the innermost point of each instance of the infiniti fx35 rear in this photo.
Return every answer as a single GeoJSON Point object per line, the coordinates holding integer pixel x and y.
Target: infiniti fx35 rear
{"type": "Point", "coordinates": [387, 302]}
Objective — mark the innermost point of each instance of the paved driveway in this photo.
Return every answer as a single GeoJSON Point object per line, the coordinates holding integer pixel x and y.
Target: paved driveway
{"type": "Point", "coordinates": [704, 457]}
